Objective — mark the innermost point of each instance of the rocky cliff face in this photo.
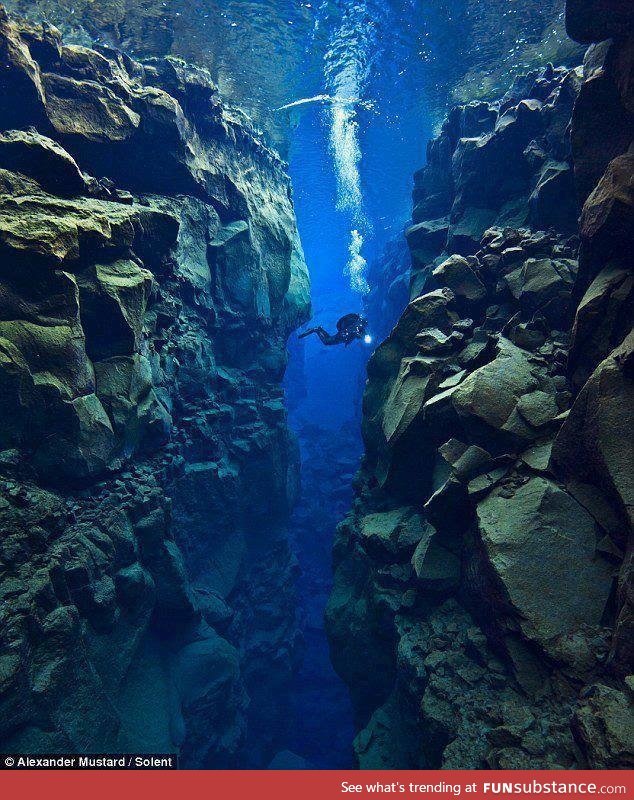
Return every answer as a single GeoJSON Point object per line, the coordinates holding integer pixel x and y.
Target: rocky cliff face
{"type": "Point", "coordinates": [481, 613]}
{"type": "Point", "coordinates": [150, 273]}
{"type": "Point", "coordinates": [389, 280]}
{"type": "Point", "coordinates": [260, 59]}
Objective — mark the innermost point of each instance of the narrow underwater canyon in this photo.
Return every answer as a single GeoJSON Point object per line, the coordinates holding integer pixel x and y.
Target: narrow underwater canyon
{"type": "Point", "coordinates": [174, 461]}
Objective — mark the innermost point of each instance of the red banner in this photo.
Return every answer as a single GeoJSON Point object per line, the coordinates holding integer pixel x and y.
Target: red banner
{"type": "Point", "coordinates": [313, 785]}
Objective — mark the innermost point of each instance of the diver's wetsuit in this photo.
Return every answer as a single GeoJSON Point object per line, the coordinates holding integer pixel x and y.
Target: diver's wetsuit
{"type": "Point", "coordinates": [349, 328]}
{"type": "Point", "coordinates": [324, 336]}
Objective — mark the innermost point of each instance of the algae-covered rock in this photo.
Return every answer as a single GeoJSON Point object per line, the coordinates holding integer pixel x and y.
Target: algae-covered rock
{"type": "Point", "coordinates": [236, 270]}
{"type": "Point", "coordinates": [601, 127]}
{"type": "Point", "coordinates": [392, 533]}
{"type": "Point", "coordinates": [553, 201]}
{"type": "Point", "coordinates": [208, 672]}
{"type": "Point", "coordinates": [541, 545]}
{"type": "Point", "coordinates": [602, 321]}
{"type": "Point", "coordinates": [22, 92]}
{"type": "Point", "coordinates": [544, 286]}
{"type": "Point", "coordinates": [426, 239]}
{"type": "Point", "coordinates": [591, 446]}
{"type": "Point", "coordinates": [607, 219]}
{"type": "Point", "coordinates": [490, 394]}
{"type": "Point", "coordinates": [538, 408]}
{"type": "Point", "coordinates": [150, 274]}
{"type": "Point", "coordinates": [604, 727]}
{"type": "Point", "coordinates": [513, 436]}
{"type": "Point", "coordinates": [87, 109]}
{"type": "Point", "coordinates": [390, 739]}
{"type": "Point", "coordinates": [430, 310]}
{"type": "Point", "coordinates": [435, 566]}
{"type": "Point", "coordinates": [456, 273]}
{"type": "Point", "coordinates": [139, 418]}
{"type": "Point", "coordinates": [83, 445]}
{"type": "Point", "coordinates": [60, 232]}
{"type": "Point", "coordinates": [114, 299]}
{"type": "Point", "coordinates": [43, 160]}
{"type": "Point", "coordinates": [406, 398]}
{"type": "Point", "coordinates": [431, 341]}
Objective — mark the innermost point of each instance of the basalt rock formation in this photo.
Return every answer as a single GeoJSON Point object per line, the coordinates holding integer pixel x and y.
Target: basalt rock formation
{"type": "Point", "coordinates": [150, 273]}
{"type": "Point", "coordinates": [389, 280]}
{"type": "Point", "coordinates": [467, 53]}
{"type": "Point", "coordinates": [481, 612]}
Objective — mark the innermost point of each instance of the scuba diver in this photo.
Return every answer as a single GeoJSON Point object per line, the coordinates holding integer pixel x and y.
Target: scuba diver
{"type": "Point", "coordinates": [349, 328]}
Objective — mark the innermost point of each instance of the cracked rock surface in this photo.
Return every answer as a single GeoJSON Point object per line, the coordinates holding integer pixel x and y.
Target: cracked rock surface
{"type": "Point", "coordinates": [481, 611]}
{"type": "Point", "coordinates": [150, 273]}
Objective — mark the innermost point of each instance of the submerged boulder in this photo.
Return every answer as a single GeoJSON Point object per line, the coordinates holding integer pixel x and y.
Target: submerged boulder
{"type": "Point", "coordinates": [593, 445]}
{"type": "Point", "coordinates": [436, 567]}
{"type": "Point", "coordinates": [553, 202]}
{"type": "Point", "coordinates": [485, 399]}
{"type": "Point", "coordinates": [456, 273]}
{"type": "Point", "coordinates": [604, 727]}
{"type": "Point", "coordinates": [406, 398]}
{"type": "Point", "coordinates": [541, 545]}
{"type": "Point", "coordinates": [544, 286]}
{"type": "Point", "coordinates": [426, 239]}
{"type": "Point", "coordinates": [392, 533]}
{"type": "Point", "coordinates": [607, 219]}
{"type": "Point", "coordinates": [602, 321]}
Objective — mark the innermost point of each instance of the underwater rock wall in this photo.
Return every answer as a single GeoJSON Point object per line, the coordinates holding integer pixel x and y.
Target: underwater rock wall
{"type": "Point", "coordinates": [388, 279]}
{"type": "Point", "coordinates": [150, 273]}
{"type": "Point", "coordinates": [260, 59]}
{"type": "Point", "coordinates": [481, 610]}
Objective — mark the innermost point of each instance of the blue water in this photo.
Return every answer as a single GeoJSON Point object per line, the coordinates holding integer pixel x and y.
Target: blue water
{"type": "Point", "coordinates": [351, 195]}
{"type": "Point", "coordinates": [346, 193]}
{"type": "Point", "coordinates": [350, 91]}
{"type": "Point", "coordinates": [362, 96]}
